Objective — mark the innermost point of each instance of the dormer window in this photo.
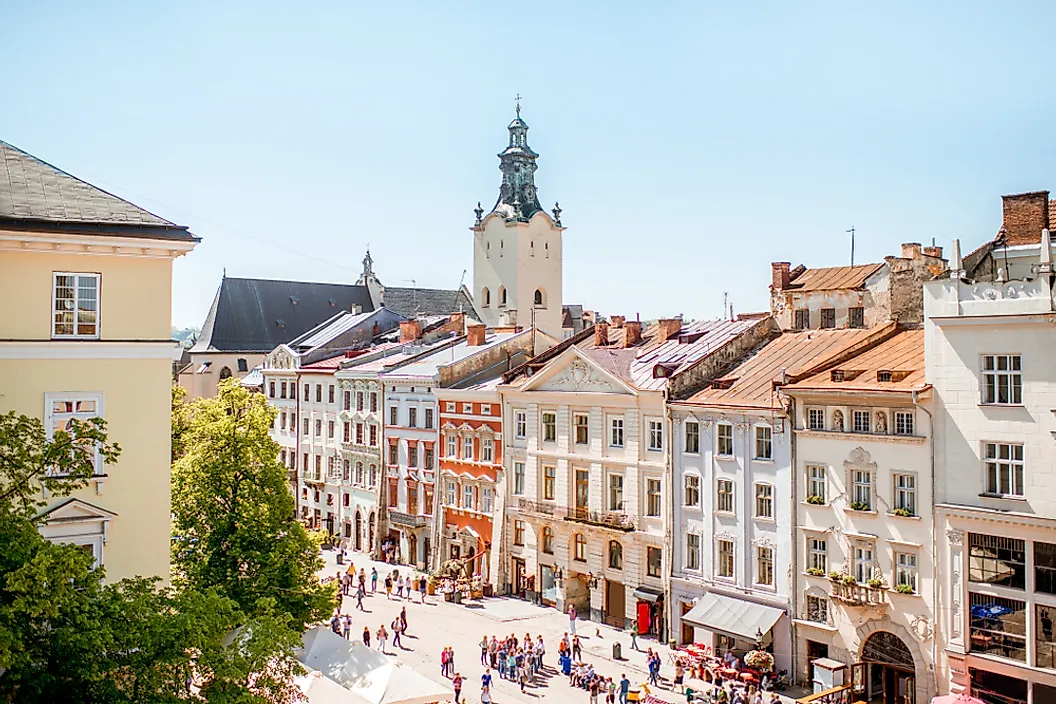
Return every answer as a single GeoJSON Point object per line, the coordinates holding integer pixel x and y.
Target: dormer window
{"type": "Point", "coordinates": [883, 376]}
{"type": "Point", "coordinates": [280, 323]}
{"type": "Point", "coordinates": [295, 300]}
{"type": "Point", "coordinates": [837, 375]}
{"type": "Point", "coordinates": [722, 383]}
{"type": "Point", "coordinates": [691, 337]}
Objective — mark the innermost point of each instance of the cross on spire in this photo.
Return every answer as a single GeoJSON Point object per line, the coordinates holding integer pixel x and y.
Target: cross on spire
{"type": "Point", "coordinates": [518, 99]}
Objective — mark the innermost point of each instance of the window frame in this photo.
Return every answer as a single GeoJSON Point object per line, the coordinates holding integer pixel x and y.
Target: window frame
{"type": "Point", "coordinates": [818, 554]}
{"type": "Point", "coordinates": [519, 475]}
{"type": "Point", "coordinates": [51, 416]}
{"type": "Point", "coordinates": [860, 489]}
{"type": "Point", "coordinates": [904, 423]}
{"type": "Point", "coordinates": [97, 277]}
{"type": "Point", "coordinates": [994, 374]}
{"type": "Point", "coordinates": [998, 465]}
{"type": "Point", "coordinates": [584, 426]}
{"type": "Point", "coordinates": [724, 435]}
{"type": "Point", "coordinates": [828, 319]}
{"type": "Point", "coordinates": [691, 490]}
{"type": "Point", "coordinates": [548, 540]}
{"type": "Point", "coordinates": [614, 479]}
{"type": "Point", "coordinates": [724, 495]}
{"type": "Point", "coordinates": [764, 555]}
{"type": "Point", "coordinates": [856, 415]}
{"type": "Point", "coordinates": [691, 440]}
{"type": "Point", "coordinates": [906, 564]}
{"type": "Point", "coordinates": [549, 484]}
{"type": "Point", "coordinates": [653, 497]}
{"type": "Point", "coordinates": [903, 492]}
{"type": "Point", "coordinates": [725, 559]}
{"type": "Point", "coordinates": [655, 443]}
{"type": "Point", "coordinates": [520, 424]}
{"type": "Point", "coordinates": [812, 413]}
{"type": "Point", "coordinates": [616, 426]}
{"type": "Point", "coordinates": [693, 551]}
{"type": "Point", "coordinates": [579, 547]}
{"type": "Point", "coordinates": [764, 502]}
{"type": "Point", "coordinates": [817, 480]}
{"type": "Point", "coordinates": [548, 424]}
{"type": "Point", "coordinates": [654, 567]}
{"type": "Point", "coordinates": [615, 555]}
{"type": "Point", "coordinates": [768, 440]}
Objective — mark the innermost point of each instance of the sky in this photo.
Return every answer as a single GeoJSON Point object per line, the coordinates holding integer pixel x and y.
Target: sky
{"type": "Point", "coordinates": [689, 144]}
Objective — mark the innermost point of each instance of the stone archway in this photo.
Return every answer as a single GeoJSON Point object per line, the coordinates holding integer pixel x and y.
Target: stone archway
{"type": "Point", "coordinates": [885, 642]}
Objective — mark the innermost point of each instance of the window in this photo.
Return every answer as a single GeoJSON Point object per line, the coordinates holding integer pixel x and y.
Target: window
{"type": "Point", "coordinates": [1002, 379]}
{"type": "Point", "coordinates": [905, 494]}
{"type": "Point", "coordinates": [906, 570]}
{"type": "Point", "coordinates": [452, 446]}
{"type": "Point", "coordinates": [724, 495]}
{"type": "Point", "coordinates": [725, 553]}
{"type": "Point", "coordinates": [580, 548]}
{"type": "Point", "coordinates": [318, 427]}
{"type": "Point", "coordinates": [412, 417]}
{"type": "Point", "coordinates": [271, 389]}
{"type": "Point", "coordinates": [347, 405]}
{"type": "Point", "coordinates": [318, 393]}
{"type": "Point", "coordinates": [394, 454]}
{"type": "Point", "coordinates": [692, 551]}
{"type": "Point", "coordinates": [815, 484]}
{"type": "Point", "coordinates": [518, 478]}
{"type": "Point", "coordinates": [63, 410]}
{"type": "Point", "coordinates": [764, 566]}
{"type": "Point", "coordinates": [580, 421]}
{"type": "Point", "coordinates": [828, 318]}
{"type": "Point", "coordinates": [304, 464]}
{"type": "Point", "coordinates": [485, 409]}
{"type": "Point", "coordinates": [318, 465]}
{"type": "Point", "coordinates": [997, 626]}
{"type": "Point", "coordinates": [520, 425]}
{"type": "Point", "coordinates": [359, 472]}
{"type": "Point", "coordinates": [485, 499]}
{"type": "Point", "coordinates": [1045, 568]}
{"type": "Point", "coordinates": [282, 389]}
{"type": "Point", "coordinates": [359, 400]}
{"type": "Point", "coordinates": [863, 564]}
{"type": "Point", "coordinates": [518, 532]}
{"type": "Point", "coordinates": [330, 429]}
{"type": "Point", "coordinates": [582, 488]}
{"type": "Point", "coordinates": [282, 421]}
{"type": "Point", "coordinates": [467, 496]}
{"type": "Point", "coordinates": [724, 434]}
{"type": "Point", "coordinates": [538, 297]}
{"type": "Point", "coordinates": [373, 475]}
{"type": "Point", "coordinates": [860, 421]}
{"type": "Point", "coordinates": [856, 317]}
{"type": "Point", "coordinates": [994, 559]}
{"type": "Point", "coordinates": [549, 481]}
{"type": "Point", "coordinates": [75, 305]}
{"type": "Point", "coordinates": [692, 490]}
{"type": "Point", "coordinates": [764, 445]}
{"type": "Point", "coordinates": [861, 490]}
{"type": "Point", "coordinates": [467, 408]}
{"type": "Point", "coordinates": [373, 435]}
{"type": "Point", "coordinates": [1044, 641]}
{"type": "Point", "coordinates": [486, 449]}
{"type": "Point", "coordinates": [652, 497]}
{"type": "Point", "coordinates": [1004, 469]}
{"type": "Point", "coordinates": [307, 426]}
{"type": "Point", "coordinates": [393, 416]}
{"type": "Point", "coordinates": [818, 556]}
{"type": "Point", "coordinates": [429, 418]}
{"type": "Point", "coordinates": [373, 401]}
{"type": "Point", "coordinates": [653, 557]}
{"type": "Point", "coordinates": [903, 422]}
{"type": "Point", "coordinates": [817, 609]}
{"type": "Point", "coordinates": [549, 427]}
{"type": "Point", "coordinates": [548, 540]}
{"type": "Point", "coordinates": [282, 455]}
{"type": "Point", "coordinates": [428, 454]}
{"type": "Point", "coordinates": [616, 436]}
{"type": "Point", "coordinates": [615, 555]}
{"type": "Point", "coordinates": [330, 391]}
{"type": "Point", "coordinates": [656, 435]}
{"type": "Point", "coordinates": [451, 407]}
{"type": "Point", "coordinates": [412, 498]}
{"type": "Point", "coordinates": [802, 319]}
{"type": "Point", "coordinates": [467, 448]}
{"type": "Point", "coordinates": [412, 455]}
{"type": "Point", "coordinates": [764, 501]}
{"type": "Point", "coordinates": [450, 493]}
{"type": "Point", "coordinates": [816, 419]}
{"type": "Point", "coordinates": [692, 437]}
{"type": "Point", "coordinates": [615, 492]}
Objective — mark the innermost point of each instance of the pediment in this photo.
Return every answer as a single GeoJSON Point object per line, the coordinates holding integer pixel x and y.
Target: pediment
{"type": "Point", "coordinates": [574, 372]}
{"type": "Point", "coordinates": [74, 510]}
{"type": "Point", "coordinates": [281, 358]}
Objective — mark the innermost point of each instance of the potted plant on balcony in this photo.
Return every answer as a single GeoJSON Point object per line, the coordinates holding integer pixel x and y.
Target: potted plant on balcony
{"type": "Point", "coordinates": [815, 572]}
{"type": "Point", "coordinates": [834, 576]}
{"type": "Point", "coordinates": [903, 512]}
{"type": "Point", "coordinates": [848, 580]}
{"type": "Point", "coordinates": [874, 583]}
{"type": "Point", "coordinates": [816, 500]}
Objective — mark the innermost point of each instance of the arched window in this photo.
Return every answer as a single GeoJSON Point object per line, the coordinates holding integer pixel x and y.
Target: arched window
{"type": "Point", "coordinates": [539, 297]}
{"type": "Point", "coordinates": [615, 555]}
{"type": "Point", "coordinates": [502, 296]}
{"type": "Point", "coordinates": [225, 373]}
{"type": "Point", "coordinates": [548, 540]}
{"type": "Point", "coordinates": [579, 548]}
{"type": "Point", "coordinates": [485, 296]}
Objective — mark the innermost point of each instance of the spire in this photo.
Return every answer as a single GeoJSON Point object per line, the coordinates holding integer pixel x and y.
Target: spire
{"type": "Point", "coordinates": [368, 265]}
{"type": "Point", "coordinates": [518, 200]}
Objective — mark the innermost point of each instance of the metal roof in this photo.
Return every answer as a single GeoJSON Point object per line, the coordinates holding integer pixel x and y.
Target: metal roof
{"type": "Point", "coordinates": [833, 278]}
{"type": "Point", "coordinates": [414, 302]}
{"type": "Point", "coordinates": [902, 355]}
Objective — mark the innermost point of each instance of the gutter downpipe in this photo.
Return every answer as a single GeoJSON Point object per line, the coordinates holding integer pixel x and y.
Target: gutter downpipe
{"type": "Point", "coordinates": [794, 476]}
{"type": "Point", "coordinates": [934, 539]}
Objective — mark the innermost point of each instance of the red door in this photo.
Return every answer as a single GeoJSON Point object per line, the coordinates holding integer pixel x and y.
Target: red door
{"type": "Point", "coordinates": [643, 617]}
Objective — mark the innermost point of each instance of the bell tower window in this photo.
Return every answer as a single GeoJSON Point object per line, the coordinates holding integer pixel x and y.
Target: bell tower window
{"type": "Point", "coordinates": [539, 298]}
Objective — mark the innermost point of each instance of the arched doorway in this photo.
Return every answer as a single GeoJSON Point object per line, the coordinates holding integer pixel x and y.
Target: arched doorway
{"type": "Point", "coordinates": [412, 550]}
{"type": "Point", "coordinates": [370, 534]}
{"type": "Point", "coordinates": [891, 669]}
{"type": "Point", "coordinates": [359, 531]}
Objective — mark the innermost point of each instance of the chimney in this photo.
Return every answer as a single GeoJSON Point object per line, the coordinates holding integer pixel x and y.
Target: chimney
{"type": "Point", "coordinates": [779, 271]}
{"type": "Point", "coordinates": [457, 322]}
{"type": "Point", "coordinates": [1025, 215]}
{"type": "Point", "coordinates": [632, 333]}
{"type": "Point", "coordinates": [410, 330]}
{"type": "Point", "coordinates": [935, 252]}
{"type": "Point", "coordinates": [911, 250]}
{"type": "Point", "coordinates": [670, 327]}
{"type": "Point", "coordinates": [601, 334]}
{"type": "Point", "coordinates": [617, 321]}
{"type": "Point", "coordinates": [475, 335]}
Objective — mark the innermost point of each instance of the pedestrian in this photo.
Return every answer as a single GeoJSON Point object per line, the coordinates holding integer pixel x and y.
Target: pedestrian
{"type": "Point", "coordinates": [485, 679]}
{"type": "Point", "coordinates": [456, 682]}
{"type": "Point", "coordinates": [359, 598]}
{"type": "Point", "coordinates": [654, 670]}
{"type": "Point", "coordinates": [421, 587]}
{"type": "Point", "coordinates": [383, 637]}
{"type": "Point", "coordinates": [450, 659]}
{"type": "Point", "coordinates": [493, 649]}
{"type": "Point", "coordinates": [373, 579]}
{"type": "Point", "coordinates": [540, 650]}
{"type": "Point", "coordinates": [594, 688]}
{"type": "Point", "coordinates": [610, 691]}
{"type": "Point", "coordinates": [399, 586]}
{"type": "Point", "coordinates": [346, 626]}
{"type": "Point", "coordinates": [572, 619]}
{"type": "Point", "coordinates": [366, 636]}
{"type": "Point", "coordinates": [522, 677]}
{"type": "Point", "coordinates": [443, 661]}
{"type": "Point", "coordinates": [362, 579]}
{"type": "Point", "coordinates": [388, 587]}
{"type": "Point", "coordinates": [485, 695]}
{"type": "Point", "coordinates": [335, 623]}
{"type": "Point", "coordinates": [625, 688]}
{"type": "Point", "coordinates": [403, 619]}
{"type": "Point", "coordinates": [484, 650]}
{"type": "Point", "coordinates": [634, 637]}
{"type": "Point", "coordinates": [679, 675]}
{"type": "Point", "coordinates": [511, 664]}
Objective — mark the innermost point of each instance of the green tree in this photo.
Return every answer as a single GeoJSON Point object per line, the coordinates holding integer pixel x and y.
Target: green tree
{"type": "Point", "coordinates": [181, 421]}
{"type": "Point", "coordinates": [233, 513]}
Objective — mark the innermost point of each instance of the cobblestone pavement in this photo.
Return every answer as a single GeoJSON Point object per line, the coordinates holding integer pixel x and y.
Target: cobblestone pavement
{"type": "Point", "coordinates": [436, 624]}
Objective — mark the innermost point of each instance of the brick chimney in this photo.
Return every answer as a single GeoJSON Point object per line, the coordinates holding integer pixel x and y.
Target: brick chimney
{"type": "Point", "coordinates": [1025, 215]}
{"type": "Point", "coordinates": [779, 272]}
{"type": "Point", "coordinates": [475, 335]}
{"type": "Point", "coordinates": [935, 252]}
{"type": "Point", "coordinates": [617, 321]}
{"type": "Point", "coordinates": [457, 322]}
{"type": "Point", "coordinates": [632, 333]}
{"type": "Point", "coordinates": [670, 327]}
{"type": "Point", "coordinates": [601, 334]}
{"type": "Point", "coordinates": [911, 250]}
{"type": "Point", "coordinates": [410, 330]}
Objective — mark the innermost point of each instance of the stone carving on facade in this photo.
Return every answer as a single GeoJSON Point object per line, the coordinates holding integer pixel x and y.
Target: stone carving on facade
{"type": "Point", "coordinates": [742, 427]}
{"type": "Point", "coordinates": [881, 423]}
{"type": "Point", "coordinates": [763, 542]}
{"type": "Point", "coordinates": [956, 537]}
{"type": "Point", "coordinates": [725, 535]}
{"type": "Point", "coordinates": [859, 459]}
{"type": "Point", "coordinates": [580, 376]}
{"type": "Point", "coordinates": [921, 627]}
{"type": "Point", "coordinates": [837, 421]}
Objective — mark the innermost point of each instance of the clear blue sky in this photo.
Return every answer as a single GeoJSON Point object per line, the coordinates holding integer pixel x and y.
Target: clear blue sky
{"type": "Point", "coordinates": [690, 144]}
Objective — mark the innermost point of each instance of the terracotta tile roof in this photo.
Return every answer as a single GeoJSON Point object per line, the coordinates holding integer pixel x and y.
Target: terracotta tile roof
{"type": "Point", "coordinates": [899, 360]}
{"type": "Point", "coordinates": [833, 278]}
{"type": "Point", "coordinates": [751, 383]}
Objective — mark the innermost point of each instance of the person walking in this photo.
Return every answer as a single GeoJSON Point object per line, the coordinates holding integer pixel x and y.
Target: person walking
{"type": "Point", "coordinates": [388, 587]}
{"type": "Point", "coordinates": [346, 626]}
{"type": "Point", "coordinates": [625, 688]}
{"type": "Point", "coordinates": [540, 651]}
{"type": "Point", "coordinates": [396, 633]}
{"type": "Point", "coordinates": [485, 695]}
{"type": "Point", "coordinates": [572, 619]}
{"type": "Point", "coordinates": [679, 676]}
{"type": "Point", "coordinates": [594, 687]}
{"type": "Point", "coordinates": [634, 637]}
{"type": "Point", "coordinates": [362, 579]}
{"type": "Point", "coordinates": [373, 580]}
{"type": "Point", "coordinates": [456, 683]}
{"type": "Point", "coordinates": [484, 650]}
{"type": "Point", "coordinates": [383, 637]}
{"type": "Point", "coordinates": [421, 587]}
{"type": "Point", "coordinates": [443, 661]}
{"type": "Point", "coordinates": [359, 597]}
{"type": "Point", "coordinates": [577, 649]}
{"type": "Point", "coordinates": [403, 619]}
{"type": "Point", "coordinates": [366, 636]}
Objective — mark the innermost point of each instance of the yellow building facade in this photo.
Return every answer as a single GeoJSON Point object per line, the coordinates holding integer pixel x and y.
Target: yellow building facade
{"type": "Point", "coordinates": [87, 332]}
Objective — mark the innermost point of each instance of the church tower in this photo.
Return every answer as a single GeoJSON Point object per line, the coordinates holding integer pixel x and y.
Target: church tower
{"type": "Point", "coordinates": [517, 247]}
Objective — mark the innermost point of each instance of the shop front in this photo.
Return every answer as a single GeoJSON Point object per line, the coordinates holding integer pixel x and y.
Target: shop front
{"type": "Point", "coordinates": [649, 612]}
{"type": "Point", "coordinates": [727, 624]}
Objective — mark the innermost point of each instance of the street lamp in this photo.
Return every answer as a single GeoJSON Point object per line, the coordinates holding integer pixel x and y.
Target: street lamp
{"type": "Point", "coordinates": [592, 580]}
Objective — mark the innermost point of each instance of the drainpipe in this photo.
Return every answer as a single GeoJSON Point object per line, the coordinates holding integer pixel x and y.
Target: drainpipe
{"type": "Point", "coordinates": [793, 530]}
{"type": "Point", "coordinates": [669, 518]}
{"type": "Point", "coordinates": [934, 541]}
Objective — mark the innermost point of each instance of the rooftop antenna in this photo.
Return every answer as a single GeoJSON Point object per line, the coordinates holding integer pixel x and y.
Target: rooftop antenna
{"type": "Point", "coordinates": [725, 301]}
{"type": "Point", "coordinates": [852, 243]}
{"type": "Point", "coordinates": [458, 292]}
{"type": "Point", "coordinates": [414, 295]}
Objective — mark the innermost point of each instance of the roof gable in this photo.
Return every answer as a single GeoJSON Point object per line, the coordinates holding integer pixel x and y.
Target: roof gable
{"type": "Point", "coordinates": [575, 372]}
{"type": "Point", "coordinates": [72, 509]}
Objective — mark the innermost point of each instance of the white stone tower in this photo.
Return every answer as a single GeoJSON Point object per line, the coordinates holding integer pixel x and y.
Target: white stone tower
{"type": "Point", "coordinates": [517, 247]}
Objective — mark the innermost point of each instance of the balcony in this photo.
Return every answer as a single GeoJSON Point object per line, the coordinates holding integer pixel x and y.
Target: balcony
{"type": "Point", "coordinates": [616, 520]}
{"type": "Point", "coordinates": [537, 508]}
{"type": "Point", "coordinates": [855, 594]}
{"type": "Point", "coordinates": [313, 475]}
{"type": "Point", "coordinates": [407, 520]}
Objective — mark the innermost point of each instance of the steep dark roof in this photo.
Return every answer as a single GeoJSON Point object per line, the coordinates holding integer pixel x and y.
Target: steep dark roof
{"type": "Point", "coordinates": [410, 302]}
{"type": "Point", "coordinates": [35, 195]}
{"type": "Point", "coordinates": [257, 315]}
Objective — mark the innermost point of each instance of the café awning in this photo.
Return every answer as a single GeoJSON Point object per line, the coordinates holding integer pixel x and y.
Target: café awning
{"type": "Point", "coordinates": [735, 617]}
